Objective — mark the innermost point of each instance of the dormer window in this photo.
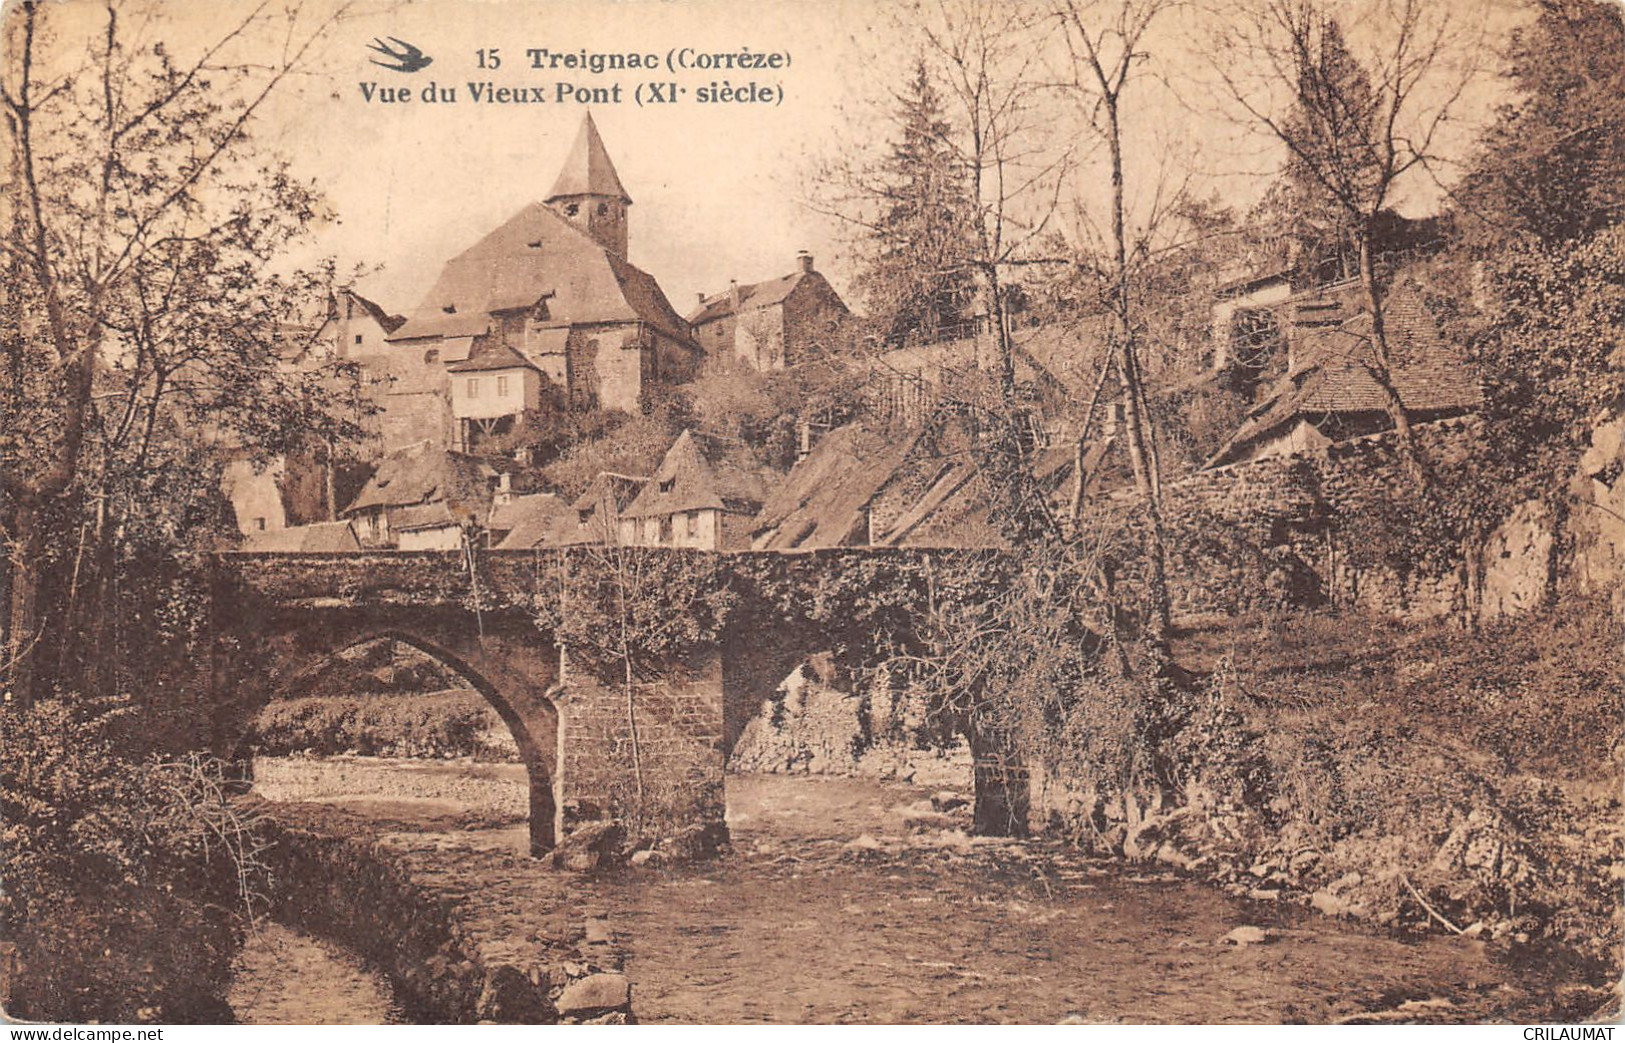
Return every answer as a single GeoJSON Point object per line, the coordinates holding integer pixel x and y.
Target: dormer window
{"type": "Point", "coordinates": [668, 484]}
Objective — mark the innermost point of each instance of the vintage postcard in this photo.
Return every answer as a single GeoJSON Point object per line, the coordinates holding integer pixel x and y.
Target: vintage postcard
{"type": "Point", "coordinates": [870, 511]}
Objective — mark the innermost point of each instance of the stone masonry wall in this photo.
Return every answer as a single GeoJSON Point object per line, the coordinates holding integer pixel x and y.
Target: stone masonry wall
{"type": "Point", "coordinates": [1276, 532]}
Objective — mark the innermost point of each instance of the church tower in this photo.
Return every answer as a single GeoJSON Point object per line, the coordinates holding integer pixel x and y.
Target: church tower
{"type": "Point", "coordinates": [588, 192]}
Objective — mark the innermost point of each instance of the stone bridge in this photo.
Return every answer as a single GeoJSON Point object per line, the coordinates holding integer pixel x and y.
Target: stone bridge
{"type": "Point", "coordinates": [544, 636]}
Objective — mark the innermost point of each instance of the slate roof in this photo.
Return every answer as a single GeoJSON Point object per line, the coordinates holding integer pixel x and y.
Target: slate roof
{"type": "Point", "coordinates": [421, 475]}
{"type": "Point", "coordinates": [319, 537]}
{"type": "Point", "coordinates": [751, 295]}
{"type": "Point", "coordinates": [587, 170]}
{"type": "Point", "coordinates": [1329, 377]}
{"type": "Point", "coordinates": [389, 322]}
{"type": "Point", "coordinates": [528, 521]}
{"type": "Point", "coordinates": [825, 499]}
{"type": "Point", "coordinates": [488, 357]}
{"type": "Point", "coordinates": [700, 473]}
{"type": "Point", "coordinates": [821, 502]}
{"type": "Point", "coordinates": [417, 517]}
{"type": "Point", "coordinates": [608, 490]}
{"type": "Point", "coordinates": [537, 253]}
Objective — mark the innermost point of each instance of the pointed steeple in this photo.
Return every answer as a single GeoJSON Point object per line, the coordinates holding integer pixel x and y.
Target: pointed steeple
{"type": "Point", "coordinates": [587, 171]}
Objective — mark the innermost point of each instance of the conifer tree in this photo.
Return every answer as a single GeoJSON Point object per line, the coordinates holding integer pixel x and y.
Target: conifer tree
{"type": "Point", "coordinates": [915, 279]}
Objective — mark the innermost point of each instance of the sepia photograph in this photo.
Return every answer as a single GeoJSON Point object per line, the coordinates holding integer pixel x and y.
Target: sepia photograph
{"type": "Point", "coordinates": [812, 512]}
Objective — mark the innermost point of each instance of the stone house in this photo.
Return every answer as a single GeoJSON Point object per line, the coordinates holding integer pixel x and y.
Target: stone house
{"type": "Point", "coordinates": [255, 494]}
{"type": "Point", "coordinates": [704, 495]}
{"type": "Point", "coordinates": [423, 498]}
{"type": "Point", "coordinates": [595, 515]}
{"type": "Point", "coordinates": [491, 391]}
{"type": "Point", "coordinates": [772, 324]}
{"type": "Point", "coordinates": [553, 287]}
{"type": "Point", "coordinates": [1327, 394]}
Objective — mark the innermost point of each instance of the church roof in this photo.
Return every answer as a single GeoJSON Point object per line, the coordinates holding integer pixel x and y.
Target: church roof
{"type": "Point", "coordinates": [587, 171]}
{"type": "Point", "coordinates": [537, 253]}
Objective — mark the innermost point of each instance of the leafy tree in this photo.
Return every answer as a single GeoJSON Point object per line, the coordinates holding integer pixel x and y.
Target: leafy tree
{"type": "Point", "coordinates": [1552, 165]}
{"type": "Point", "coordinates": [1553, 353]}
{"type": "Point", "coordinates": [144, 328]}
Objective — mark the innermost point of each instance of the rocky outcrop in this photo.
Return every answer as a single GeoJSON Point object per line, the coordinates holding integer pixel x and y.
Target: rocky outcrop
{"type": "Point", "coordinates": [1598, 516]}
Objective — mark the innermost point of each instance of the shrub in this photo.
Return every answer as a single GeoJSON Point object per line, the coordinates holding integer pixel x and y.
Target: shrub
{"type": "Point", "coordinates": [125, 883]}
{"type": "Point", "coordinates": [443, 724]}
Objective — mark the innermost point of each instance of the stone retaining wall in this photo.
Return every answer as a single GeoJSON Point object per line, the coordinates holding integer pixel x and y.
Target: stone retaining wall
{"type": "Point", "coordinates": [463, 935]}
{"type": "Point", "coordinates": [1287, 531]}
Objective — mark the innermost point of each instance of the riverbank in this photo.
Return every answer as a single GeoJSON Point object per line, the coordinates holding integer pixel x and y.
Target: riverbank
{"type": "Point", "coordinates": [859, 900]}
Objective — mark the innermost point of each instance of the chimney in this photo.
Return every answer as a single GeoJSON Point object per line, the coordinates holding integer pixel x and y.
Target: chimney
{"type": "Point", "coordinates": [805, 260]}
{"type": "Point", "coordinates": [700, 296]}
{"type": "Point", "coordinates": [733, 294]}
{"type": "Point", "coordinates": [504, 491]}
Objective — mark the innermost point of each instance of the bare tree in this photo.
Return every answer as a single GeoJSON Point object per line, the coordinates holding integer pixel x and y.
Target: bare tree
{"type": "Point", "coordinates": [1105, 45]}
{"type": "Point", "coordinates": [1355, 120]}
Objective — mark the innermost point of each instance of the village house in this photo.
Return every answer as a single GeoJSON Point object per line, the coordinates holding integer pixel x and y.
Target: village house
{"type": "Point", "coordinates": [773, 324]}
{"type": "Point", "coordinates": [423, 498]}
{"type": "Point", "coordinates": [547, 298]}
{"type": "Point", "coordinates": [336, 537]}
{"type": "Point", "coordinates": [255, 493]}
{"type": "Point", "coordinates": [863, 486]}
{"type": "Point", "coordinates": [595, 515]}
{"type": "Point", "coordinates": [703, 495]}
{"type": "Point", "coordinates": [1326, 392]}
{"type": "Point", "coordinates": [491, 391]}
{"type": "Point", "coordinates": [523, 522]}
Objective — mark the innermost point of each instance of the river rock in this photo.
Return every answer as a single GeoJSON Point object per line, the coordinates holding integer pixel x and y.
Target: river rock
{"type": "Point", "coordinates": [589, 846]}
{"type": "Point", "coordinates": [1329, 904]}
{"type": "Point", "coordinates": [595, 993]}
{"type": "Point", "coordinates": [1242, 937]}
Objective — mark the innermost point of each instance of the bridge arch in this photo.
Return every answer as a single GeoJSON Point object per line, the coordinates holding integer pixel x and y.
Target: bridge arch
{"type": "Point", "coordinates": [514, 670]}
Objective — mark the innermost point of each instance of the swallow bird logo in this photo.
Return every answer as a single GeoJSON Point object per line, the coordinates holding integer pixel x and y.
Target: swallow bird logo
{"type": "Point", "coordinates": [404, 57]}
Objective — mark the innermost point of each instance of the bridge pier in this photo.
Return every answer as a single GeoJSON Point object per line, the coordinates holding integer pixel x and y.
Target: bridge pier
{"type": "Point", "coordinates": [644, 748]}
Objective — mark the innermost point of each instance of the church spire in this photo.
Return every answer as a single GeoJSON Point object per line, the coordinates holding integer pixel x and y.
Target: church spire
{"type": "Point", "coordinates": [588, 192]}
{"type": "Point", "coordinates": [587, 171]}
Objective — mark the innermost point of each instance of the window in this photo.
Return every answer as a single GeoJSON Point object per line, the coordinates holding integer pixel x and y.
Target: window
{"type": "Point", "coordinates": [572, 209]}
{"type": "Point", "coordinates": [665, 529]}
{"type": "Point", "coordinates": [502, 387]}
{"type": "Point", "coordinates": [473, 387]}
{"type": "Point", "coordinates": [603, 208]}
{"type": "Point", "coordinates": [432, 355]}
{"type": "Point", "coordinates": [691, 522]}
{"type": "Point", "coordinates": [358, 338]}
{"type": "Point", "coordinates": [668, 484]}
{"type": "Point", "coordinates": [259, 523]}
